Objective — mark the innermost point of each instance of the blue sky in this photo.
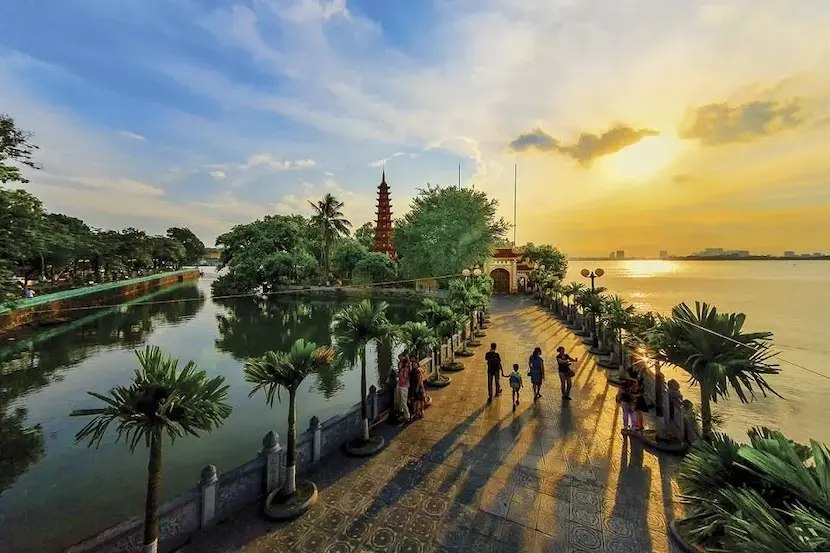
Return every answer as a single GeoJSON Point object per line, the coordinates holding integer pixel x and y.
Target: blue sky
{"type": "Point", "coordinates": [206, 113]}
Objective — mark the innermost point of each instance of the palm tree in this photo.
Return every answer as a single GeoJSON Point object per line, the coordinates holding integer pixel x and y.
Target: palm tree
{"type": "Point", "coordinates": [354, 327]}
{"type": "Point", "coordinates": [713, 348]}
{"type": "Point", "coordinates": [617, 316]}
{"type": "Point", "coordinates": [466, 295]}
{"type": "Point", "coordinates": [418, 338]}
{"type": "Point", "coordinates": [330, 221]}
{"type": "Point", "coordinates": [161, 399]}
{"type": "Point", "coordinates": [766, 496]}
{"type": "Point", "coordinates": [572, 290]}
{"type": "Point", "coordinates": [287, 369]}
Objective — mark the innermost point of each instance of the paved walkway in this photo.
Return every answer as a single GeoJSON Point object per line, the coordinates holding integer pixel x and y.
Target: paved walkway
{"type": "Point", "coordinates": [481, 478]}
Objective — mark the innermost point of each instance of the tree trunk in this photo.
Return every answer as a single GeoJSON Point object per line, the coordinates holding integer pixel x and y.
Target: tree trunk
{"type": "Point", "coordinates": [364, 408]}
{"type": "Point", "coordinates": [291, 449]}
{"type": "Point", "coordinates": [706, 413]}
{"type": "Point", "coordinates": [151, 510]}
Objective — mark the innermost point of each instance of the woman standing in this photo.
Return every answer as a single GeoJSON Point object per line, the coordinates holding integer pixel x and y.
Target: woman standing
{"type": "Point", "coordinates": [536, 366]}
{"type": "Point", "coordinates": [563, 360]}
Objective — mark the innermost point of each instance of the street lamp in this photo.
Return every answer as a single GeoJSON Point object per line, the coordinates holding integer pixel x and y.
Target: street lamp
{"type": "Point", "coordinates": [593, 275]}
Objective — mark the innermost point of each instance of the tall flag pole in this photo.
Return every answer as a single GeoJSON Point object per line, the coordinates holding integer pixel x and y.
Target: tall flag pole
{"type": "Point", "coordinates": [459, 175]}
{"type": "Point", "coordinates": [515, 188]}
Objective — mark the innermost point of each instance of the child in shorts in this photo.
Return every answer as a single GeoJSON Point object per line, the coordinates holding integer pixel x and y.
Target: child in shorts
{"type": "Point", "coordinates": [515, 384]}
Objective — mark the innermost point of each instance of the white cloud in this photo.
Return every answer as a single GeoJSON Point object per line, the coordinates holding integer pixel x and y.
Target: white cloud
{"type": "Point", "coordinates": [382, 162]}
{"type": "Point", "coordinates": [276, 164]}
{"type": "Point", "coordinates": [132, 135]}
{"type": "Point", "coordinates": [217, 174]}
{"type": "Point", "coordinates": [119, 185]}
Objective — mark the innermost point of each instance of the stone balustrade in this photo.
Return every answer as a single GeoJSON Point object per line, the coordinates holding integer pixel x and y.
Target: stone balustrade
{"type": "Point", "coordinates": [218, 496]}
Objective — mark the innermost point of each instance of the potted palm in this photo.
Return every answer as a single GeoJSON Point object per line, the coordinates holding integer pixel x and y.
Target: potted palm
{"type": "Point", "coordinates": [162, 400]}
{"type": "Point", "coordinates": [421, 341]}
{"type": "Point", "coordinates": [716, 352]}
{"type": "Point", "coordinates": [466, 296]}
{"type": "Point", "coordinates": [354, 327]}
{"type": "Point", "coordinates": [271, 372]}
{"type": "Point", "coordinates": [444, 321]}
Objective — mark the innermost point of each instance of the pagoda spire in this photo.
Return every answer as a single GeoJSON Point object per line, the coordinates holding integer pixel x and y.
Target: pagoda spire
{"type": "Point", "coordinates": [383, 222]}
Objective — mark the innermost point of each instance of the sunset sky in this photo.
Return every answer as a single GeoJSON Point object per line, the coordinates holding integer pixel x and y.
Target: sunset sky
{"type": "Point", "coordinates": [636, 124]}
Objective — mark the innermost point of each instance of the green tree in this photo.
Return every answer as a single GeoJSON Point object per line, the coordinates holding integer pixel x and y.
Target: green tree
{"type": "Point", "coordinates": [267, 252]}
{"type": "Point", "coordinates": [328, 219]}
{"type": "Point", "coordinates": [193, 247]}
{"type": "Point", "coordinates": [345, 256]}
{"type": "Point", "coordinates": [718, 355]}
{"type": "Point", "coordinates": [161, 400]}
{"type": "Point", "coordinates": [554, 260]}
{"type": "Point", "coordinates": [15, 146]}
{"type": "Point", "coordinates": [21, 221]}
{"type": "Point", "coordinates": [365, 234]}
{"type": "Point", "coordinates": [353, 328]}
{"type": "Point", "coordinates": [447, 230]}
{"type": "Point", "coordinates": [288, 369]}
{"type": "Point", "coordinates": [374, 267]}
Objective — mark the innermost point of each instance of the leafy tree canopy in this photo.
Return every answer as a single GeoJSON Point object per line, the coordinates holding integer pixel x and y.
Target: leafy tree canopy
{"type": "Point", "coordinates": [374, 267]}
{"type": "Point", "coordinates": [365, 234]}
{"type": "Point", "coordinates": [14, 147]}
{"type": "Point", "coordinates": [447, 230]}
{"type": "Point", "coordinates": [268, 252]}
{"type": "Point", "coordinates": [554, 260]}
{"type": "Point", "coordinates": [194, 249]}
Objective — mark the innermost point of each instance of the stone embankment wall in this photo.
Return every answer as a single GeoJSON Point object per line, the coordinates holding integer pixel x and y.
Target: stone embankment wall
{"type": "Point", "coordinates": [69, 304]}
{"type": "Point", "coordinates": [218, 496]}
{"type": "Point", "coordinates": [378, 292]}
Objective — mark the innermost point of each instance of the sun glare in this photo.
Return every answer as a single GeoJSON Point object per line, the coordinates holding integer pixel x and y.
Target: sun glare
{"type": "Point", "coordinates": [645, 268]}
{"type": "Point", "coordinates": [645, 158]}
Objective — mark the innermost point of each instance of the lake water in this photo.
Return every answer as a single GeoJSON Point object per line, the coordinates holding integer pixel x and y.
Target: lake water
{"type": "Point", "coordinates": [790, 299]}
{"type": "Point", "coordinates": [54, 492]}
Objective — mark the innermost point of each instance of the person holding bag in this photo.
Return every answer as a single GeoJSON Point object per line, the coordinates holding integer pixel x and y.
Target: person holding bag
{"type": "Point", "coordinates": [563, 360]}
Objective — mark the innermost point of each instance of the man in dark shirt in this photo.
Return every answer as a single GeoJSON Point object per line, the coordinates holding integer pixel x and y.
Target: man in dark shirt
{"type": "Point", "coordinates": [494, 371]}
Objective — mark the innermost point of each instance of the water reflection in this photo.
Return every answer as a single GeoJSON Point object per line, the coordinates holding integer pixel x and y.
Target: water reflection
{"type": "Point", "coordinates": [32, 359]}
{"type": "Point", "coordinates": [646, 268]}
{"type": "Point", "coordinates": [249, 327]}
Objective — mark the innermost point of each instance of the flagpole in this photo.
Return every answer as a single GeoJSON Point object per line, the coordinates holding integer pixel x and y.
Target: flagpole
{"type": "Point", "coordinates": [515, 188]}
{"type": "Point", "coordinates": [459, 175]}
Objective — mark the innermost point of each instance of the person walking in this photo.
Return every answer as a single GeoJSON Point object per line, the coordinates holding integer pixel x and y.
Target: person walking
{"type": "Point", "coordinates": [625, 402]}
{"type": "Point", "coordinates": [536, 371]}
{"type": "Point", "coordinates": [563, 361]}
{"type": "Point", "coordinates": [420, 395]}
{"type": "Point", "coordinates": [402, 389]}
{"type": "Point", "coordinates": [494, 371]}
{"type": "Point", "coordinates": [515, 384]}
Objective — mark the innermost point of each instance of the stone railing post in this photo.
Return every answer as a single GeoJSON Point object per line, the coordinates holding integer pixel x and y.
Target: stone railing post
{"type": "Point", "coordinates": [373, 403]}
{"type": "Point", "coordinates": [273, 454]}
{"type": "Point", "coordinates": [208, 484]}
{"type": "Point", "coordinates": [316, 440]}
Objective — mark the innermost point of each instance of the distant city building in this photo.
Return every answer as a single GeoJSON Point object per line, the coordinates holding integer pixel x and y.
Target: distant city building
{"type": "Point", "coordinates": [720, 252]}
{"type": "Point", "coordinates": [612, 255]}
{"type": "Point", "coordinates": [663, 254]}
{"type": "Point", "coordinates": [789, 253]}
{"type": "Point", "coordinates": [620, 254]}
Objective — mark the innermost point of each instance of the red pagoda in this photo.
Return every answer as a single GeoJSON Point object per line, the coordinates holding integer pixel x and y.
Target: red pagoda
{"type": "Point", "coordinates": [383, 225]}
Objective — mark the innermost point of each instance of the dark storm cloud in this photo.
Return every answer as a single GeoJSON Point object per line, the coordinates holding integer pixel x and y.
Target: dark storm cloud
{"type": "Point", "coordinates": [715, 124]}
{"type": "Point", "coordinates": [587, 148]}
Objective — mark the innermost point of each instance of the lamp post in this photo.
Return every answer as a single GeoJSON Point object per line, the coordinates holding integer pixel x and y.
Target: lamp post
{"type": "Point", "coordinates": [593, 275]}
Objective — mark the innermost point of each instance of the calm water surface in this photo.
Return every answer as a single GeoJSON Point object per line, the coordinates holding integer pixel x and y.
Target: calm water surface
{"type": "Point", "coordinates": [54, 492]}
{"type": "Point", "coordinates": [790, 299]}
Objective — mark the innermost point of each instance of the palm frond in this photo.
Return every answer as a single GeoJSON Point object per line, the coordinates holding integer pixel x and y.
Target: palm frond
{"type": "Point", "coordinates": [286, 369]}
{"type": "Point", "coordinates": [160, 399]}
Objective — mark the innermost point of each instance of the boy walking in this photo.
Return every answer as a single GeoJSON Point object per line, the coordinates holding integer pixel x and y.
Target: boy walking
{"type": "Point", "coordinates": [515, 384]}
{"type": "Point", "coordinates": [625, 400]}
